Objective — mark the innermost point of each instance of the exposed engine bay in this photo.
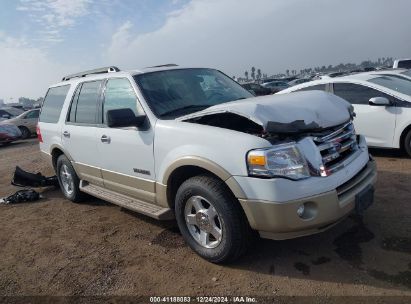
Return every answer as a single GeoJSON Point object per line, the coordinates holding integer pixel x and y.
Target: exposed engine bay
{"type": "Point", "coordinates": [280, 117]}
{"type": "Point", "coordinates": [275, 132]}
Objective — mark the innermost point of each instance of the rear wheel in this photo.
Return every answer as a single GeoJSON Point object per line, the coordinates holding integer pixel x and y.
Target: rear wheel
{"type": "Point", "coordinates": [407, 143]}
{"type": "Point", "coordinates": [68, 179]}
{"type": "Point", "coordinates": [211, 219]}
{"type": "Point", "coordinates": [25, 133]}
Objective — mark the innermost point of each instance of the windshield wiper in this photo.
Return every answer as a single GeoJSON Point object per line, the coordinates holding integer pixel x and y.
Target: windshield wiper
{"type": "Point", "coordinates": [182, 109]}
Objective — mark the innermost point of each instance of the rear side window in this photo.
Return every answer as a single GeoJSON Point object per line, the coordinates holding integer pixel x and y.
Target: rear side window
{"type": "Point", "coordinates": [405, 64]}
{"type": "Point", "coordinates": [86, 110]}
{"type": "Point", "coordinates": [53, 103]}
{"type": "Point", "coordinates": [320, 87]}
{"type": "Point", "coordinates": [32, 114]}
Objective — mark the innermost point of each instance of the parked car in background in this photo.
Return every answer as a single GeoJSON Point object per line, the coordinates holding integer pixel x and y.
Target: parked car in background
{"type": "Point", "coordinates": [297, 81]}
{"type": "Point", "coordinates": [9, 112]}
{"type": "Point", "coordinates": [275, 86]}
{"type": "Point", "coordinates": [9, 133]}
{"type": "Point", "coordinates": [284, 79]}
{"type": "Point", "coordinates": [26, 122]}
{"type": "Point", "coordinates": [402, 63]}
{"type": "Point", "coordinates": [382, 104]}
{"type": "Point", "coordinates": [256, 89]}
{"type": "Point", "coordinates": [284, 166]}
{"type": "Point", "coordinates": [402, 73]}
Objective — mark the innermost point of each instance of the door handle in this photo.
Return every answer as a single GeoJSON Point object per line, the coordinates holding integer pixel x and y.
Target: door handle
{"type": "Point", "coordinates": [66, 134]}
{"type": "Point", "coordinates": [105, 139]}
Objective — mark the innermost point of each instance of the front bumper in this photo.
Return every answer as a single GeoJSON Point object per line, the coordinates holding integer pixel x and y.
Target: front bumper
{"type": "Point", "coordinates": [279, 220]}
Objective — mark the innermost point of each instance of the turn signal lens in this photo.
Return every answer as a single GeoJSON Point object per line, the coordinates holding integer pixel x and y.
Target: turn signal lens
{"type": "Point", "coordinates": [256, 160]}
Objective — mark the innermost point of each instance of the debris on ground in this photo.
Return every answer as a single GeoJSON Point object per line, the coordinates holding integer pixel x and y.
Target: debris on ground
{"type": "Point", "coordinates": [27, 179]}
{"type": "Point", "coordinates": [26, 195]}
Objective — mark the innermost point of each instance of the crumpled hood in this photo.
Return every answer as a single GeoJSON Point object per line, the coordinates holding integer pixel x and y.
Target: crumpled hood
{"type": "Point", "coordinates": [312, 108]}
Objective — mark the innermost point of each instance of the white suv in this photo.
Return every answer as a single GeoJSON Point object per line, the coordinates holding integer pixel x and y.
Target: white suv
{"type": "Point", "coordinates": [191, 143]}
{"type": "Point", "coordinates": [381, 101]}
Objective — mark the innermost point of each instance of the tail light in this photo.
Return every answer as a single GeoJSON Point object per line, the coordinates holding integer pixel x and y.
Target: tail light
{"type": "Point", "coordinates": [39, 134]}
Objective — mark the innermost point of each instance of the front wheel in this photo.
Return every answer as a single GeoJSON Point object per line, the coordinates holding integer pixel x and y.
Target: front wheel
{"type": "Point", "coordinates": [407, 143]}
{"type": "Point", "coordinates": [211, 219]}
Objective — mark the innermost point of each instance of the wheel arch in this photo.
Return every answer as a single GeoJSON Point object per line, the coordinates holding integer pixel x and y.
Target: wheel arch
{"type": "Point", "coordinates": [403, 134]}
{"type": "Point", "coordinates": [55, 152]}
{"type": "Point", "coordinates": [187, 167]}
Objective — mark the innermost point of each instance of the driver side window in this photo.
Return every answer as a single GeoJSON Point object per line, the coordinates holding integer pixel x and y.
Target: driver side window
{"type": "Point", "coordinates": [119, 94]}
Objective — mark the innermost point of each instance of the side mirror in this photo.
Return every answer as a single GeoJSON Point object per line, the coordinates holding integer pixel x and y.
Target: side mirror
{"type": "Point", "coordinates": [119, 118]}
{"type": "Point", "coordinates": [379, 101]}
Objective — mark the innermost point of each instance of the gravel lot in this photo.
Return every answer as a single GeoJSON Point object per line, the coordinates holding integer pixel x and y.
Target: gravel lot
{"type": "Point", "coordinates": [56, 247]}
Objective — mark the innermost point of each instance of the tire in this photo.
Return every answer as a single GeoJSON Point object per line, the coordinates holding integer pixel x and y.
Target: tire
{"type": "Point", "coordinates": [407, 143]}
{"type": "Point", "coordinates": [68, 180]}
{"type": "Point", "coordinates": [25, 133]}
{"type": "Point", "coordinates": [228, 233]}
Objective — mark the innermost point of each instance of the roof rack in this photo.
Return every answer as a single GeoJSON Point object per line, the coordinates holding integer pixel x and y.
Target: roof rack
{"type": "Point", "coordinates": [109, 69]}
{"type": "Point", "coordinates": [163, 65]}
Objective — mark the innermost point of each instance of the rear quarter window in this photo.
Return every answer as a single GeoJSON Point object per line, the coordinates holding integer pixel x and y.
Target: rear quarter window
{"type": "Point", "coordinates": [53, 103]}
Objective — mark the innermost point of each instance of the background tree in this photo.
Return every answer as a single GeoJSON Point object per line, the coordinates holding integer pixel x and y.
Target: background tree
{"type": "Point", "coordinates": [253, 73]}
{"type": "Point", "coordinates": [258, 74]}
{"type": "Point", "coordinates": [246, 75]}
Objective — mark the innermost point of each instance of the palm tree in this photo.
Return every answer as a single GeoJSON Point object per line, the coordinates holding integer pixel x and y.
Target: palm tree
{"type": "Point", "coordinates": [258, 74]}
{"type": "Point", "coordinates": [253, 73]}
{"type": "Point", "coordinates": [246, 75]}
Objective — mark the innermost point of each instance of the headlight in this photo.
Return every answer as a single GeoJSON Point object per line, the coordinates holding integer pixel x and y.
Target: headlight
{"type": "Point", "coordinates": [283, 160]}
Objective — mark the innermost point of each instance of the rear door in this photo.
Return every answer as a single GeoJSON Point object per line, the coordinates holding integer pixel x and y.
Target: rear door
{"type": "Point", "coordinates": [376, 123]}
{"type": "Point", "coordinates": [80, 129]}
{"type": "Point", "coordinates": [125, 154]}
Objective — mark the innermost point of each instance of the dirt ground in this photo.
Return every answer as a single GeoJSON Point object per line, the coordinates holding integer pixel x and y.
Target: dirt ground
{"type": "Point", "coordinates": [56, 247]}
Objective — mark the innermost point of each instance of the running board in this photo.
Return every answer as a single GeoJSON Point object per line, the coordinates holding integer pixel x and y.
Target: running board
{"type": "Point", "coordinates": [127, 202]}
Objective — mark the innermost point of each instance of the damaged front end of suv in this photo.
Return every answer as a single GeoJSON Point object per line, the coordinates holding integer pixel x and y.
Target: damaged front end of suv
{"type": "Point", "coordinates": [319, 142]}
{"type": "Point", "coordinates": [313, 171]}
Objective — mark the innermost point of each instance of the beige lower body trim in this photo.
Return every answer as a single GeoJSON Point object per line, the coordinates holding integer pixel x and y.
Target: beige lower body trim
{"type": "Point", "coordinates": [139, 188]}
{"type": "Point", "coordinates": [161, 195]}
{"type": "Point", "coordinates": [89, 173]}
{"type": "Point", "coordinates": [129, 185]}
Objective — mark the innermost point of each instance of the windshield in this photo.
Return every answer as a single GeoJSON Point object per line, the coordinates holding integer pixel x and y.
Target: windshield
{"type": "Point", "coordinates": [407, 73]}
{"type": "Point", "coordinates": [398, 84]}
{"type": "Point", "coordinates": [175, 93]}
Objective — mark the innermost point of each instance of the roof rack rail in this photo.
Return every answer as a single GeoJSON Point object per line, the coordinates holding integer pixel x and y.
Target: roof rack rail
{"type": "Point", "coordinates": [163, 65]}
{"type": "Point", "coordinates": [109, 69]}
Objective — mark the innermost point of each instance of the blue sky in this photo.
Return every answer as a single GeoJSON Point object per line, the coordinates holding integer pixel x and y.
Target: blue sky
{"type": "Point", "coordinates": [43, 40]}
{"type": "Point", "coordinates": [87, 25]}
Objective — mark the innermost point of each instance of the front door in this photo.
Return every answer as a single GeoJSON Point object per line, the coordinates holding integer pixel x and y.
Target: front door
{"type": "Point", "coordinates": [125, 154]}
{"type": "Point", "coordinates": [376, 123]}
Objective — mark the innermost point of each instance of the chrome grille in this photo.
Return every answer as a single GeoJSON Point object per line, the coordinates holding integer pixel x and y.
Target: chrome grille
{"type": "Point", "coordinates": [338, 148]}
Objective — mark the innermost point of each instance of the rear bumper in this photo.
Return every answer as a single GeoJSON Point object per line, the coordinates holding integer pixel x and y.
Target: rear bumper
{"type": "Point", "coordinates": [279, 220]}
{"type": "Point", "coordinates": [8, 139]}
